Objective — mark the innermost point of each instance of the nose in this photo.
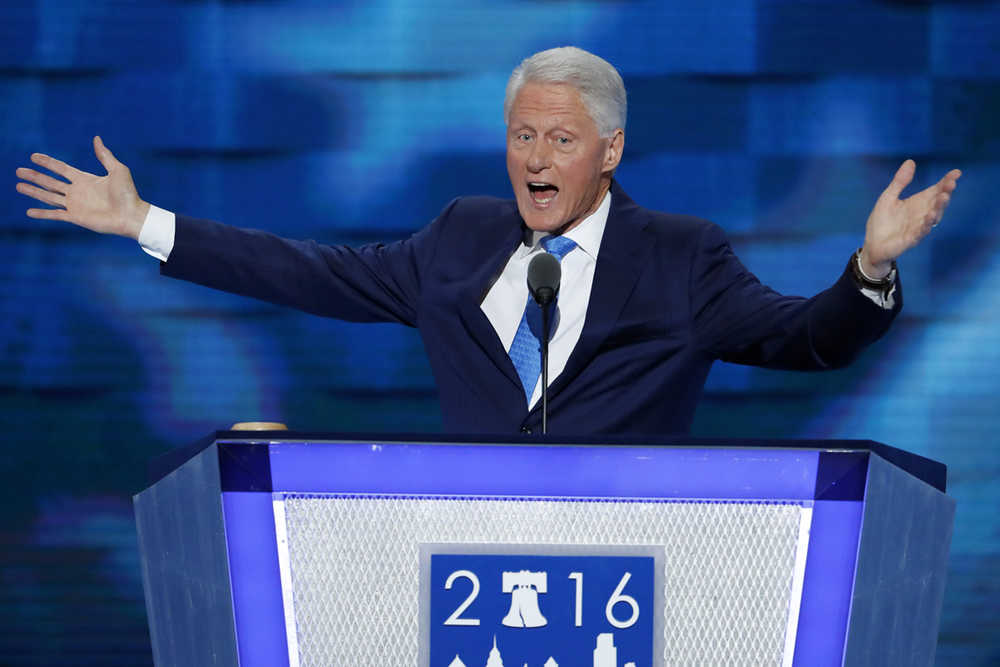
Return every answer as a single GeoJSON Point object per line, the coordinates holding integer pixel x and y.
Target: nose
{"type": "Point", "coordinates": [540, 157]}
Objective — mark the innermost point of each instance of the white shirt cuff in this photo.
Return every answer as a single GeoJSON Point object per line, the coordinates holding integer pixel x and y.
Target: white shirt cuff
{"type": "Point", "coordinates": [884, 301]}
{"type": "Point", "coordinates": [157, 234]}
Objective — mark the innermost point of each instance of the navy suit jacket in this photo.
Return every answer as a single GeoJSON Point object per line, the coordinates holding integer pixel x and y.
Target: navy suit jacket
{"type": "Point", "coordinates": [669, 297]}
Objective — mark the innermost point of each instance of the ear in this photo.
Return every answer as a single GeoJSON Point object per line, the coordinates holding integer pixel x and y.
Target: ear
{"type": "Point", "coordinates": [613, 153]}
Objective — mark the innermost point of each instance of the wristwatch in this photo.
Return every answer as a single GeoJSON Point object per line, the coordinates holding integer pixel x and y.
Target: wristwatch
{"type": "Point", "coordinates": [864, 282]}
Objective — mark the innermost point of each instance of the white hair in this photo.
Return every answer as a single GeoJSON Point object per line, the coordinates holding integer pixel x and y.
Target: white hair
{"type": "Point", "coordinates": [600, 85]}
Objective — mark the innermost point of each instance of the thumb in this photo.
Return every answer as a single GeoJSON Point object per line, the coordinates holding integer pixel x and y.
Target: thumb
{"type": "Point", "coordinates": [903, 177]}
{"type": "Point", "coordinates": [106, 157]}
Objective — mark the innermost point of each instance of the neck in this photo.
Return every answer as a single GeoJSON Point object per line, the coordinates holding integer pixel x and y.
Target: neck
{"type": "Point", "coordinates": [596, 204]}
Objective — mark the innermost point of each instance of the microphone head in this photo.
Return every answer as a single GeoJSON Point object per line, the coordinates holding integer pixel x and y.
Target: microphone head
{"type": "Point", "coordinates": [544, 273]}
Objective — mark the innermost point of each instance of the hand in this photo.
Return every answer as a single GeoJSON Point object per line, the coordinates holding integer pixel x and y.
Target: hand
{"type": "Point", "coordinates": [106, 204]}
{"type": "Point", "coordinates": [896, 225]}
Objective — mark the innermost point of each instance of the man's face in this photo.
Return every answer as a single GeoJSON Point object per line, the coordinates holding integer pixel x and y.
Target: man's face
{"type": "Point", "coordinates": [558, 164]}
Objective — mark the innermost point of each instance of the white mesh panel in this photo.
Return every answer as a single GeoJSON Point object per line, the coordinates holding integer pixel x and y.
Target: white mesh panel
{"type": "Point", "coordinates": [355, 568]}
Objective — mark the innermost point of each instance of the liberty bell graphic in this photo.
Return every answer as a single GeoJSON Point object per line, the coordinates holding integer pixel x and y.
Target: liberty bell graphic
{"type": "Point", "coordinates": [524, 587]}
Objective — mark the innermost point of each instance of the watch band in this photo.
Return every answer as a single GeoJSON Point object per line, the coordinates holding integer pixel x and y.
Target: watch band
{"type": "Point", "coordinates": [864, 282]}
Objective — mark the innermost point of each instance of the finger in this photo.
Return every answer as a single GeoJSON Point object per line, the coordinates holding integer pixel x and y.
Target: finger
{"type": "Point", "coordinates": [940, 204]}
{"type": "Point", "coordinates": [934, 214]}
{"type": "Point", "coordinates": [47, 182]}
{"type": "Point", "coordinates": [949, 181]}
{"type": "Point", "coordinates": [57, 166]}
{"type": "Point", "coordinates": [41, 195]}
{"type": "Point", "coordinates": [49, 214]}
{"type": "Point", "coordinates": [903, 177]}
{"type": "Point", "coordinates": [104, 154]}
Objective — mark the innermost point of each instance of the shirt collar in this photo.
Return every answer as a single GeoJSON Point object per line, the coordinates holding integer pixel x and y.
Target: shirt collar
{"type": "Point", "coordinates": [588, 233]}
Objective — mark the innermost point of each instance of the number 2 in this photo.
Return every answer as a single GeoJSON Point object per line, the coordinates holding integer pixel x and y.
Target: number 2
{"type": "Point", "coordinates": [455, 618]}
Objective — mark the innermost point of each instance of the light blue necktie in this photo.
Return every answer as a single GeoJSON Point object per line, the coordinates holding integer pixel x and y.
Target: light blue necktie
{"type": "Point", "coordinates": [525, 351]}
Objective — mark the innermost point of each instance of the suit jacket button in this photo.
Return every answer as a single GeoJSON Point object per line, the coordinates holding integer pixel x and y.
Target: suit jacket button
{"type": "Point", "coordinates": [525, 429]}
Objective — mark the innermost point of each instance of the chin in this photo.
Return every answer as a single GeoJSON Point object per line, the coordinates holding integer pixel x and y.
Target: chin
{"type": "Point", "coordinates": [542, 223]}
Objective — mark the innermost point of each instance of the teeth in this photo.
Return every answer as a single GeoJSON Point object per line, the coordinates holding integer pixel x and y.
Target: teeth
{"type": "Point", "coordinates": [536, 188]}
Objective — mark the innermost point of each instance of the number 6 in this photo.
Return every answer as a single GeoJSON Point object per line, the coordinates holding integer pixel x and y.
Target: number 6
{"type": "Point", "coordinates": [616, 597]}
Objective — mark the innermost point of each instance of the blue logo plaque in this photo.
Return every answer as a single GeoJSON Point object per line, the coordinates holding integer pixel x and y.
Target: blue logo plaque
{"type": "Point", "coordinates": [567, 607]}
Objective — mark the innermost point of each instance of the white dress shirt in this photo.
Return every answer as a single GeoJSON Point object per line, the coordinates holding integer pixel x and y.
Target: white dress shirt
{"type": "Point", "coordinates": [504, 303]}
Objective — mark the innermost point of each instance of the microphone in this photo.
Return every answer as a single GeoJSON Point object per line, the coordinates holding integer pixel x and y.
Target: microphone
{"type": "Point", "coordinates": [544, 273]}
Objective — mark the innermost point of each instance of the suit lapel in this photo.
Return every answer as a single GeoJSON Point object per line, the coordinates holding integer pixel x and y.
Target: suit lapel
{"type": "Point", "coordinates": [625, 248]}
{"type": "Point", "coordinates": [473, 293]}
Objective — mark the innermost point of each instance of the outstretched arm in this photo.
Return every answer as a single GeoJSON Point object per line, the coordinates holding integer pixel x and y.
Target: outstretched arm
{"type": "Point", "coordinates": [378, 282]}
{"type": "Point", "coordinates": [896, 225]}
{"type": "Point", "coordinates": [107, 204]}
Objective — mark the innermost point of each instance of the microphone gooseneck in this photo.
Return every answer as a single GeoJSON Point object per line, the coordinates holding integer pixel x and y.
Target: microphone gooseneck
{"type": "Point", "coordinates": [544, 273]}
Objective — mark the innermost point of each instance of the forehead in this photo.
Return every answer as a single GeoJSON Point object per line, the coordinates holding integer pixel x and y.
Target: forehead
{"type": "Point", "coordinates": [543, 105]}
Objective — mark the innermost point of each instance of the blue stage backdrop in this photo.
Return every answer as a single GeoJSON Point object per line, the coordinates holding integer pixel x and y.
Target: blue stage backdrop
{"type": "Point", "coordinates": [358, 121]}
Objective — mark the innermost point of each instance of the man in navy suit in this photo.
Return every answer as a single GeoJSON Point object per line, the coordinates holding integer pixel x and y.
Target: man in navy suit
{"type": "Point", "coordinates": [648, 301]}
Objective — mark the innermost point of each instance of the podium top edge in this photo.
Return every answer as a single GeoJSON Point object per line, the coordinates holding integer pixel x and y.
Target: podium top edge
{"type": "Point", "coordinates": [929, 471]}
{"type": "Point", "coordinates": [537, 439]}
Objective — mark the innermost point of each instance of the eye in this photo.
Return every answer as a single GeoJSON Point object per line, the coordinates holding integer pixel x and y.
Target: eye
{"type": "Point", "coordinates": [563, 141]}
{"type": "Point", "coordinates": [524, 137]}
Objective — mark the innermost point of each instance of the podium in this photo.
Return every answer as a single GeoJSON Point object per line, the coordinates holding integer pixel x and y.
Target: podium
{"type": "Point", "coordinates": [303, 549]}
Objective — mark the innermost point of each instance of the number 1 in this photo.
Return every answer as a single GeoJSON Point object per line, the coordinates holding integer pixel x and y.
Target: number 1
{"type": "Point", "coordinates": [578, 577]}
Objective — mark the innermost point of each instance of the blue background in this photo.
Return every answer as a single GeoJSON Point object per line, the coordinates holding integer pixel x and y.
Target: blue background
{"type": "Point", "coordinates": [358, 121]}
{"type": "Point", "coordinates": [559, 638]}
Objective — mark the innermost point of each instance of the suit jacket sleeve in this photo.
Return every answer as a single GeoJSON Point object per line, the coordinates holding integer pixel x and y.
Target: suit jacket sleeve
{"type": "Point", "coordinates": [738, 319]}
{"type": "Point", "coordinates": [372, 283]}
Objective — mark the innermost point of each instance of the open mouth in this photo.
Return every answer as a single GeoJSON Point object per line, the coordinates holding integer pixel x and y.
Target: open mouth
{"type": "Point", "coordinates": [542, 193]}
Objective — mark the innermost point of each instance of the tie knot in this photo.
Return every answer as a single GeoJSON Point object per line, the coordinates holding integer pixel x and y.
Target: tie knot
{"type": "Point", "coordinates": [558, 245]}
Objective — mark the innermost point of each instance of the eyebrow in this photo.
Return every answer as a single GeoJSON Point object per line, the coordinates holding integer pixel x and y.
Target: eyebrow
{"type": "Point", "coordinates": [559, 128]}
